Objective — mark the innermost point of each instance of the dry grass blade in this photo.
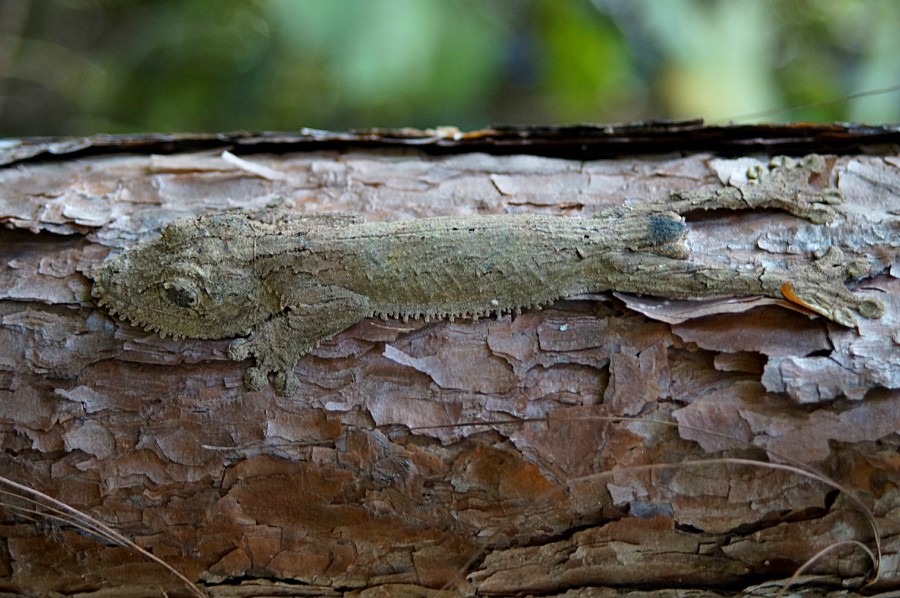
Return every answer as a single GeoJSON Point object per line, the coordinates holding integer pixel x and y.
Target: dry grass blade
{"type": "Point", "coordinates": [59, 511]}
{"type": "Point", "coordinates": [805, 470]}
{"type": "Point", "coordinates": [876, 558]}
{"type": "Point", "coordinates": [49, 512]}
{"type": "Point", "coordinates": [812, 560]}
{"type": "Point", "coordinates": [790, 465]}
{"type": "Point", "coordinates": [63, 519]}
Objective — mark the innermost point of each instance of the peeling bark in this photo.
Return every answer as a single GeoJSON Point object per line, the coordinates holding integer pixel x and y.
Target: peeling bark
{"type": "Point", "coordinates": [492, 457]}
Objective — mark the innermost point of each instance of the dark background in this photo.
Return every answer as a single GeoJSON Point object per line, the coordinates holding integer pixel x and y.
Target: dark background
{"type": "Point", "coordinates": [119, 66]}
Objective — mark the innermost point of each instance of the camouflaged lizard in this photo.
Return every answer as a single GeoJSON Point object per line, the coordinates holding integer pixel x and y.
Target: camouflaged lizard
{"type": "Point", "coordinates": [285, 282]}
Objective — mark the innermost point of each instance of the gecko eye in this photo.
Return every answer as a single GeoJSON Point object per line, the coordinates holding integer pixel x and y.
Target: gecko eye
{"type": "Point", "coordinates": [181, 293]}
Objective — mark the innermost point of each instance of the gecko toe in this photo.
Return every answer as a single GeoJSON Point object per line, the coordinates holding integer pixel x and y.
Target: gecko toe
{"type": "Point", "coordinates": [821, 215]}
{"type": "Point", "coordinates": [843, 316]}
{"type": "Point", "coordinates": [812, 207]}
{"type": "Point", "coordinates": [871, 308]}
{"type": "Point", "coordinates": [239, 349]}
{"type": "Point", "coordinates": [831, 196]}
{"type": "Point", "coordinates": [286, 383]}
{"type": "Point", "coordinates": [255, 379]}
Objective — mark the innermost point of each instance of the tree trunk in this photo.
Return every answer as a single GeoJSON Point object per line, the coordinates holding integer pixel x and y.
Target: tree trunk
{"type": "Point", "coordinates": [503, 456]}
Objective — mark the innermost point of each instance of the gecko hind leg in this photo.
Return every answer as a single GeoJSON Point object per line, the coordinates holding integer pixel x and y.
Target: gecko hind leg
{"type": "Point", "coordinates": [818, 286]}
{"type": "Point", "coordinates": [278, 343]}
{"type": "Point", "coordinates": [812, 205]}
{"type": "Point", "coordinates": [785, 187]}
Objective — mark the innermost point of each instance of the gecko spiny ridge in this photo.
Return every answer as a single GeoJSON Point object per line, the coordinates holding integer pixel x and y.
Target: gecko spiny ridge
{"type": "Point", "coordinates": [283, 283]}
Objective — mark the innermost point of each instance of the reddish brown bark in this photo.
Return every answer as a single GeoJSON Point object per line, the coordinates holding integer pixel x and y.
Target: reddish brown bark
{"type": "Point", "coordinates": [443, 458]}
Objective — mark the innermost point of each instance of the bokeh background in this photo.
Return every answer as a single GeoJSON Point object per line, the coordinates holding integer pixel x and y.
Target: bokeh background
{"type": "Point", "coordinates": [119, 66]}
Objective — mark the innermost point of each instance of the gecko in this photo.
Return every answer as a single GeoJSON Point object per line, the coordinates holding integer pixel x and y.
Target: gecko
{"type": "Point", "coordinates": [282, 283]}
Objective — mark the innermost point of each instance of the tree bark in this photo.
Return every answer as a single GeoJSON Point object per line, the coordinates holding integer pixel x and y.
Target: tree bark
{"type": "Point", "coordinates": [504, 456]}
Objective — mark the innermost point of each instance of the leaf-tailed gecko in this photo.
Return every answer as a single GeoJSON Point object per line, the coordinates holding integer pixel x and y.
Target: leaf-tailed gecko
{"type": "Point", "coordinates": [283, 283]}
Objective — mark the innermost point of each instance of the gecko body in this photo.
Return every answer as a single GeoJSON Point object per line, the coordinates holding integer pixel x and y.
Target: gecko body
{"type": "Point", "coordinates": [283, 282]}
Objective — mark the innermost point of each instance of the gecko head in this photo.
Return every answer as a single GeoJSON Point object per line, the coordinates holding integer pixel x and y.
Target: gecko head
{"type": "Point", "coordinates": [192, 281]}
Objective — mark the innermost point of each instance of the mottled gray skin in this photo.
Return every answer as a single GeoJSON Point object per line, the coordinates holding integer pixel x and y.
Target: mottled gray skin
{"type": "Point", "coordinates": [288, 282]}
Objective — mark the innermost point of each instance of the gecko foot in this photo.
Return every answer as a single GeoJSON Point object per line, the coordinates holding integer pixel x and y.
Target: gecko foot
{"type": "Point", "coordinates": [814, 206]}
{"type": "Point", "coordinates": [284, 381]}
{"type": "Point", "coordinates": [315, 313]}
{"type": "Point", "coordinates": [821, 289]}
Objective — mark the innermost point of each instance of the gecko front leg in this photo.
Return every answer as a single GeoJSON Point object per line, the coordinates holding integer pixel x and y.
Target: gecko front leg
{"type": "Point", "coordinates": [313, 315]}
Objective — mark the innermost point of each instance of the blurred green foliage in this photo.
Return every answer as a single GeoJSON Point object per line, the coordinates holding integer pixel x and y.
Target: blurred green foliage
{"type": "Point", "coordinates": [88, 66]}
